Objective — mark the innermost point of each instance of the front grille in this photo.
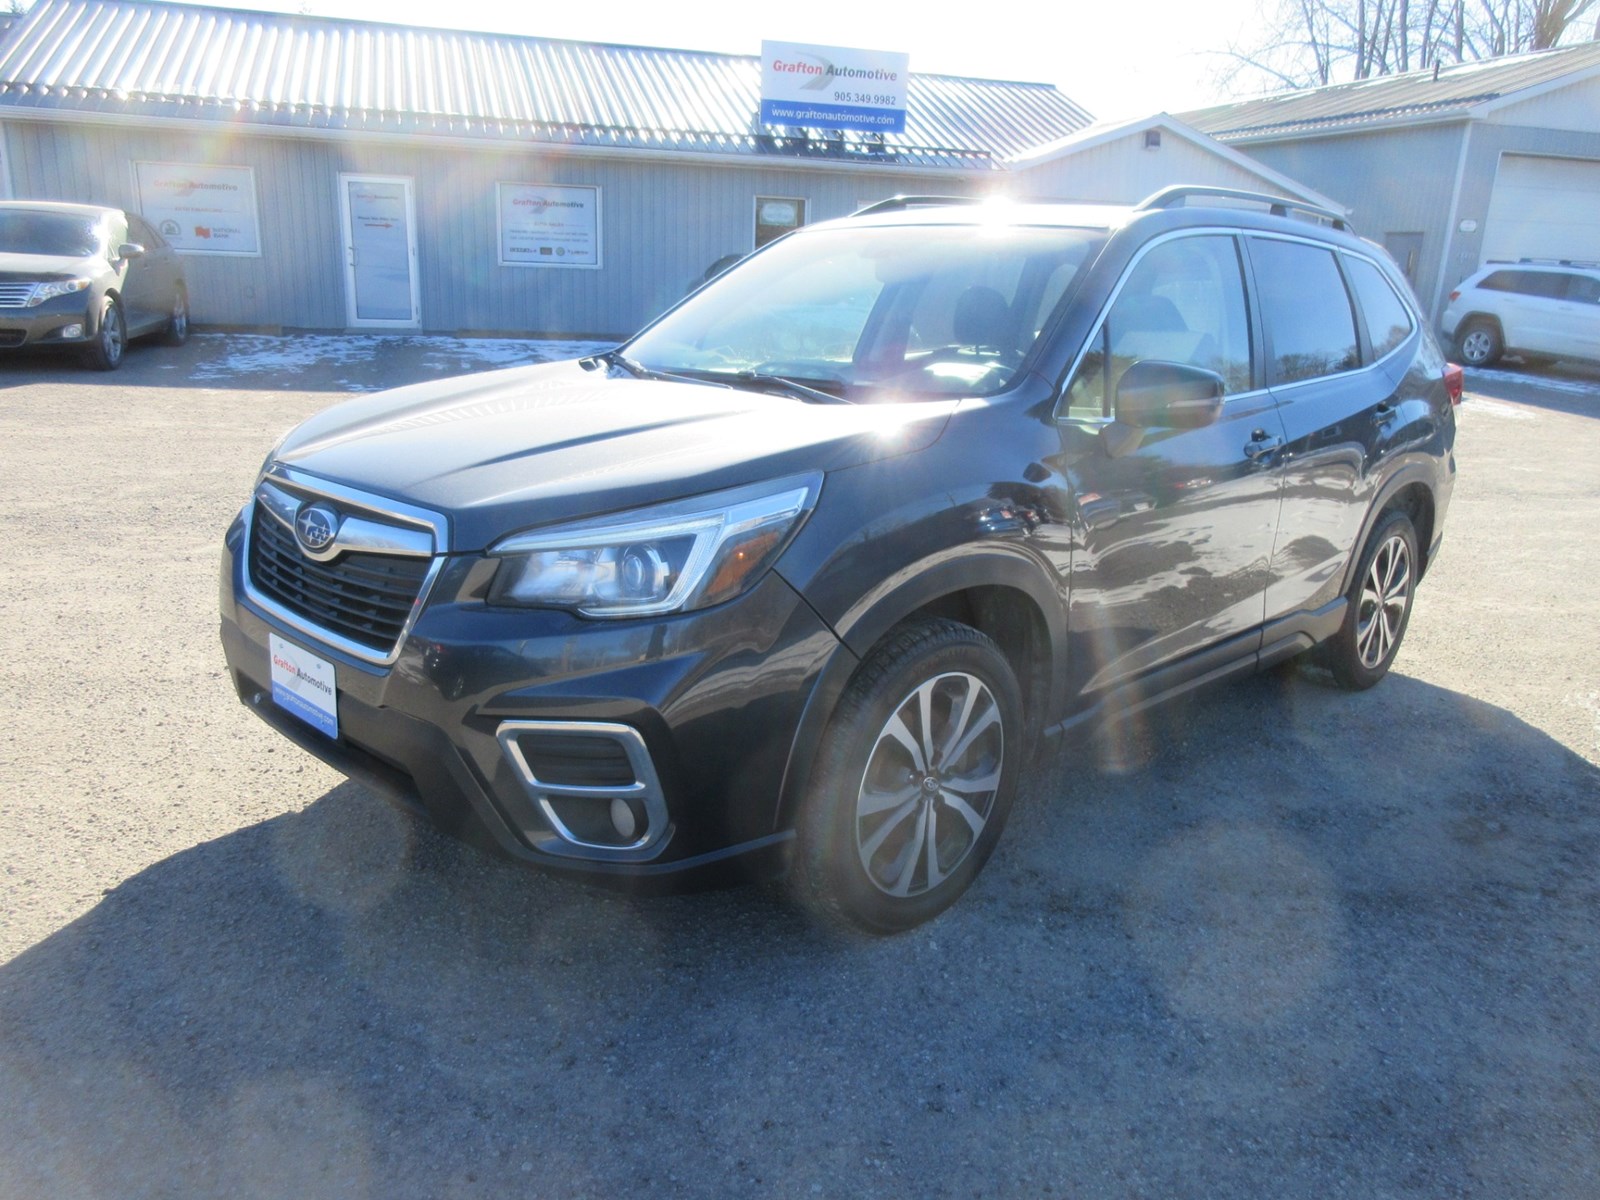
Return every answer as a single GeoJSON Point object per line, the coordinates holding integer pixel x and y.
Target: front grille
{"type": "Point", "coordinates": [576, 760]}
{"type": "Point", "coordinates": [16, 295]}
{"type": "Point", "coordinates": [364, 597]}
{"type": "Point", "coordinates": [13, 337]}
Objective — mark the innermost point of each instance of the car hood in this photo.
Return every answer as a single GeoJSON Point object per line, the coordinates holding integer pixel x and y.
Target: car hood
{"type": "Point", "coordinates": [46, 266]}
{"type": "Point", "coordinates": [508, 450]}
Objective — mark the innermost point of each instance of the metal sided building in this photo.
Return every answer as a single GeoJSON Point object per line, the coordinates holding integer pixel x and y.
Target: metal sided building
{"type": "Point", "coordinates": [1497, 159]}
{"type": "Point", "coordinates": [334, 174]}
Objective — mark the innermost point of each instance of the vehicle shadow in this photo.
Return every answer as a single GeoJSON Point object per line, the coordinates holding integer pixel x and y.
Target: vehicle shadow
{"type": "Point", "coordinates": [1281, 940]}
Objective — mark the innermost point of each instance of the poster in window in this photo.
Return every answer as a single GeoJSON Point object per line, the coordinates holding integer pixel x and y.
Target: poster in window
{"type": "Point", "coordinates": [201, 208]}
{"type": "Point", "coordinates": [548, 225]}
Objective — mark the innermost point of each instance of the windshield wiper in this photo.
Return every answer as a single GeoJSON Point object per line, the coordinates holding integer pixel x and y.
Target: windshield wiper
{"type": "Point", "coordinates": [793, 387]}
{"type": "Point", "coordinates": [616, 358]}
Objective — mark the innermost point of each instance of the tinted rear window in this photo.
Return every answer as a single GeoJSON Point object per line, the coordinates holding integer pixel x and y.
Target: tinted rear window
{"type": "Point", "coordinates": [1388, 319]}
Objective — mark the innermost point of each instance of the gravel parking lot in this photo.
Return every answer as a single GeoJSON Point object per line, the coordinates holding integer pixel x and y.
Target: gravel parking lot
{"type": "Point", "coordinates": [1281, 941]}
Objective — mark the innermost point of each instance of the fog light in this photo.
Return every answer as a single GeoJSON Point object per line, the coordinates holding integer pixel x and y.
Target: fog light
{"type": "Point", "coordinates": [624, 820]}
{"type": "Point", "coordinates": [70, 331]}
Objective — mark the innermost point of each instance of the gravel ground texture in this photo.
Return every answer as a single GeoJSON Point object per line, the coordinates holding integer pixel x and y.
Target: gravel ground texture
{"type": "Point", "coordinates": [1277, 941]}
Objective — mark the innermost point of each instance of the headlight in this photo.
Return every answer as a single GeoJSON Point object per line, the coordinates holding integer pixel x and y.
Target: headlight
{"type": "Point", "coordinates": [56, 287]}
{"type": "Point", "coordinates": [671, 557]}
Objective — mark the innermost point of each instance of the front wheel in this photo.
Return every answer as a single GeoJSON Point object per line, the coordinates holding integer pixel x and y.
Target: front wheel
{"type": "Point", "coordinates": [104, 353]}
{"type": "Point", "coordinates": [1380, 606]}
{"type": "Point", "coordinates": [914, 779]}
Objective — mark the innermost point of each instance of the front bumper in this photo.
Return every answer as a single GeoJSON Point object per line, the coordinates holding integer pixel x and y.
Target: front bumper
{"type": "Point", "coordinates": [705, 705]}
{"type": "Point", "coordinates": [50, 324]}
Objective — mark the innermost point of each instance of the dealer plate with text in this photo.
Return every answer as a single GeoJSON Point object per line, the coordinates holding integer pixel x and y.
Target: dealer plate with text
{"type": "Point", "coordinates": [303, 684]}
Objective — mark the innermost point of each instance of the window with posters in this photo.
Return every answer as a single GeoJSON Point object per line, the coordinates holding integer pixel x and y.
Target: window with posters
{"type": "Point", "coordinates": [549, 225]}
{"type": "Point", "coordinates": [201, 208]}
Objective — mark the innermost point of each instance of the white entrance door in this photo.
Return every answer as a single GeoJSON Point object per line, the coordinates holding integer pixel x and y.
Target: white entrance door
{"type": "Point", "coordinates": [380, 246]}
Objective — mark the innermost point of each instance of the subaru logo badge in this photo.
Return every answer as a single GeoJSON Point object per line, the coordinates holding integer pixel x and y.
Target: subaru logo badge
{"type": "Point", "coordinates": [315, 527]}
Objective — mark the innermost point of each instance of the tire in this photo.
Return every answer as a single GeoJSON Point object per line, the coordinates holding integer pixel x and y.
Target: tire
{"type": "Point", "coordinates": [110, 339]}
{"type": "Point", "coordinates": [1479, 343]}
{"type": "Point", "coordinates": [1381, 596]}
{"type": "Point", "coordinates": [177, 330]}
{"type": "Point", "coordinates": [888, 839]}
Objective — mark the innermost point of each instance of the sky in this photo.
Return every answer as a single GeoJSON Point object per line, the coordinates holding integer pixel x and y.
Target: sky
{"type": "Point", "coordinates": [1115, 62]}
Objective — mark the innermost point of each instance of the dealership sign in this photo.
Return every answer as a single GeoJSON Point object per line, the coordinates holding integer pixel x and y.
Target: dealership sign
{"type": "Point", "coordinates": [201, 208]}
{"type": "Point", "coordinates": [547, 225]}
{"type": "Point", "coordinates": [829, 87]}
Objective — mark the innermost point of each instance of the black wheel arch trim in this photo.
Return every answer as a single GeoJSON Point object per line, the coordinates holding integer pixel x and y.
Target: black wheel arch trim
{"type": "Point", "coordinates": [1409, 474]}
{"type": "Point", "coordinates": [866, 623]}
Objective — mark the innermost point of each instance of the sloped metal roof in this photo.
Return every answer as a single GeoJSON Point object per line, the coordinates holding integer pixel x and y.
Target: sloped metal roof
{"type": "Point", "coordinates": [1393, 99]}
{"type": "Point", "coordinates": [152, 59]}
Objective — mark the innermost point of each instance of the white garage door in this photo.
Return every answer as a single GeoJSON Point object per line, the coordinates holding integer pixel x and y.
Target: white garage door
{"type": "Point", "coordinates": [1544, 208]}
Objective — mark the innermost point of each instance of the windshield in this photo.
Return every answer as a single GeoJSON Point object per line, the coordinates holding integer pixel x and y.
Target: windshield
{"type": "Point", "coordinates": [58, 234]}
{"type": "Point", "coordinates": [877, 312]}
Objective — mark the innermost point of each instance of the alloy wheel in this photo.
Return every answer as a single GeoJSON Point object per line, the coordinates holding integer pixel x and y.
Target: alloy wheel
{"type": "Point", "coordinates": [930, 784]}
{"type": "Point", "coordinates": [111, 336]}
{"type": "Point", "coordinates": [1385, 596]}
{"type": "Point", "coordinates": [1477, 346]}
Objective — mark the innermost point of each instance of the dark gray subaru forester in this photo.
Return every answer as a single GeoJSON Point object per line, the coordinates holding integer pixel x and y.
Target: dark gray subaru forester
{"type": "Point", "coordinates": [794, 578]}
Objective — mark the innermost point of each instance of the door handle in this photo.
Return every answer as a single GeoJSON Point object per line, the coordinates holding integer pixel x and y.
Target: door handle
{"type": "Point", "coordinates": [1261, 444]}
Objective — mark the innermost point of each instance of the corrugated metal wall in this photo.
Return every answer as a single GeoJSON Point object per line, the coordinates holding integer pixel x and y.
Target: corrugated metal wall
{"type": "Point", "coordinates": [663, 223]}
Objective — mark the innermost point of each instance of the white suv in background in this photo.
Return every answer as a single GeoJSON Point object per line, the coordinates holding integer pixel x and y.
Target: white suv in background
{"type": "Point", "coordinates": [1539, 308]}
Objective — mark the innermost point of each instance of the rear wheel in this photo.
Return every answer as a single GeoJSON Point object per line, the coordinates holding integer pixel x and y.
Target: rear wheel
{"type": "Point", "coordinates": [104, 353]}
{"type": "Point", "coordinates": [914, 780]}
{"type": "Point", "coordinates": [177, 330]}
{"type": "Point", "coordinates": [1479, 343]}
{"type": "Point", "coordinates": [1380, 606]}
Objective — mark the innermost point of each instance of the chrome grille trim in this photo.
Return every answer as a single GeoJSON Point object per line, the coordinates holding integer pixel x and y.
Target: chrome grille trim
{"type": "Point", "coordinates": [404, 531]}
{"type": "Point", "coordinates": [16, 295]}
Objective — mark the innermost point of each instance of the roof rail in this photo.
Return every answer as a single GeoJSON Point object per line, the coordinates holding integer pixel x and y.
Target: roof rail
{"type": "Point", "coordinates": [897, 203]}
{"type": "Point", "coordinates": [1547, 262]}
{"type": "Point", "coordinates": [1279, 206]}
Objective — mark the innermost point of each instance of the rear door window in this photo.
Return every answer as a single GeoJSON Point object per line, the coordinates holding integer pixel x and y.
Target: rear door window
{"type": "Point", "coordinates": [1547, 285]}
{"type": "Point", "coordinates": [1310, 325]}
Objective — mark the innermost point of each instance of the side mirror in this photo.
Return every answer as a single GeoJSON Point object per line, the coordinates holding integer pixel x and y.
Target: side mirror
{"type": "Point", "coordinates": [1155, 394]}
{"type": "Point", "coordinates": [130, 250]}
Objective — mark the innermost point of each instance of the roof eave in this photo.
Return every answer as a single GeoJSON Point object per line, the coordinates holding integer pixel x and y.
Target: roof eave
{"type": "Point", "coordinates": [68, 116]}
{"type": "Point", "coordinates": [1347, 127]}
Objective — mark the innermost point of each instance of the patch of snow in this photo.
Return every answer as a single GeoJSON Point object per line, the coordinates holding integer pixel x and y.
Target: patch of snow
{"type": "Point", "coordinates": [1574, 387]}
{"type": "Point", "coordinates": [489, 353]}
{"type": "Point", "coordinates": [250, 353]}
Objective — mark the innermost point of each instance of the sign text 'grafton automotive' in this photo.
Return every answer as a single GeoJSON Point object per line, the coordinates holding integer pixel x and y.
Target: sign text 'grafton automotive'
{"type": "Point", "coordinates": [830, 87]}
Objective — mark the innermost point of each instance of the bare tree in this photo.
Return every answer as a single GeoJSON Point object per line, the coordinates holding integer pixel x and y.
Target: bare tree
{"type": "Point", "coordinates": [1308, 43]}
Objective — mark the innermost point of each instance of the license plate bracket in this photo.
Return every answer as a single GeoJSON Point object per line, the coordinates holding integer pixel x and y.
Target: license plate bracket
{"type": "Point", "coordinates": [304, 685]}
